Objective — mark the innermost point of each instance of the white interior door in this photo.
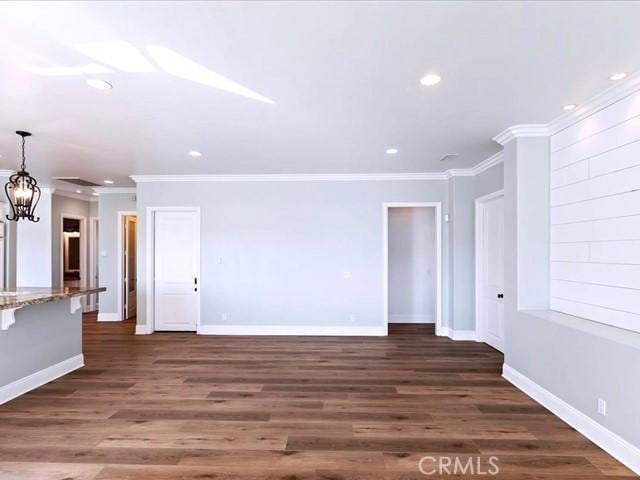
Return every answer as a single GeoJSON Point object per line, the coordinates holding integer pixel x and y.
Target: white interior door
{"type": "Point", "coordinates": [492, 306]}
{"type": "Point", "coordinates": [130, 266]}
{"type": "Point", "coordinates": [177, 270]}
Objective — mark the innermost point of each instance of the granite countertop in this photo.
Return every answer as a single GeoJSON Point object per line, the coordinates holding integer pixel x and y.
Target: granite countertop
{"type": "Point", "coordinates": [24, 296]}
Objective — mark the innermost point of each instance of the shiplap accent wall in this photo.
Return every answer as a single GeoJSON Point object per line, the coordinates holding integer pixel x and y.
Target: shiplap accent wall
{"type": "Point", "coordinates": [595, 216]}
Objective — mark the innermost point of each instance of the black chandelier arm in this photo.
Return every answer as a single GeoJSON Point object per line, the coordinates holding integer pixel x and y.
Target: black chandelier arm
{"type": "Point", "coordinates": [34, 204]}
{"type": "Point", "coordinates": [14, 215]}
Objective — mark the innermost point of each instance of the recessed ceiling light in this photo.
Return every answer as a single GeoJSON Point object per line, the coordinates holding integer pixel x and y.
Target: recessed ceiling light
{"type": "Point", "coordinates": [392, 151]}
{"type": "Point", "coordinates": [108, 182]}
{"type": "Point", "coordinates": [430, 79]}
{"type": "Point", "coordinates": [94, 194]}
{"type": "Point", "coordinates": [99, 84]}
{"type": "Point", "coordinates": [618, 76]}
{"type": "Point", "coordinates": [569, 107]}
{"type": "Point", "coordinates": [78, 191]}
{"type": "Point", "coordinates": [195, 153]}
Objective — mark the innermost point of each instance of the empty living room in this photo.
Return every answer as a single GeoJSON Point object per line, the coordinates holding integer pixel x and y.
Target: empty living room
{"type": "Point", "coordinates": [319, 240]}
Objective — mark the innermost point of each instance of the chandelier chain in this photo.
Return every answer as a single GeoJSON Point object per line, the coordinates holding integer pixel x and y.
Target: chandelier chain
{"type": "Point", "coordinates": [23, 156]}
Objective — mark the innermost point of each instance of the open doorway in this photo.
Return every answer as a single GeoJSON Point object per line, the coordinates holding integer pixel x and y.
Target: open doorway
{"type": "Point", "coordinates": [73, 271]}
{"type": "Point", "coordinates": [129, 289]}
{"type": "Point", "coordinates": [413, 266]}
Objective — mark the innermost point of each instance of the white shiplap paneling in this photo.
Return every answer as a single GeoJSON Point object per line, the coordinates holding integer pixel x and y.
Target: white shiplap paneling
{"type": "Point", "coordinates": [595, 216]}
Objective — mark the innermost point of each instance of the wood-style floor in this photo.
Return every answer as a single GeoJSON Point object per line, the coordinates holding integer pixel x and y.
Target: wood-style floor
{"type": "Point", "coordinates": [187, 407]}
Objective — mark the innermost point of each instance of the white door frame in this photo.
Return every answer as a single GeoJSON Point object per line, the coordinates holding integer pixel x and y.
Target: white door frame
{"type": "Point", "coordinates": [150, 321]}
{"type": "Point", "coordinates": [83, 247]}
{"type": "Point", "coordinates": [385, 259]}
{"type": "Point", "coordinates": [93, 256]}
{"type": "Point", "coordinates": [480, 204]}
{"type": "Point", "coordinates": [120, 256]}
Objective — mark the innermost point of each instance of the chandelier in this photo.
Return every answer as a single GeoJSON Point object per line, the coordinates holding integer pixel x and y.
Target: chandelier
{"type": "Point", "coordinates": [22, 191]}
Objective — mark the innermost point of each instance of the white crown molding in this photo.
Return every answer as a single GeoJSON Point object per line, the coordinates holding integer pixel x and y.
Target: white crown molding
{"type": "Point", "coordinates": [6, 173]}
{"type": "Point", "coordinates": [517, 131]}
{"type": "Point", "coordinates": [76, 196]}
{"type": "Point", "coordinates": [594, 104]}
{"type": "Point", "coordinates": [611, 95]}
{"type": "Point", "coordinates": [326, 177]}
{"type": "Point", "coordinates": [107, 190]}
{"type": "Point", "coordinates": [291, 177]}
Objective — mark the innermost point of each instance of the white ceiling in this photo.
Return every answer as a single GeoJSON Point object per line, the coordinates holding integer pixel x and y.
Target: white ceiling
{"type": "Point", "coordinates": [344, 79]}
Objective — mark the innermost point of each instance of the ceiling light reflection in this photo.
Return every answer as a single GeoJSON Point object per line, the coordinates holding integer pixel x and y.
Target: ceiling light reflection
{"type": "Point", "coordinates": [175, 64]}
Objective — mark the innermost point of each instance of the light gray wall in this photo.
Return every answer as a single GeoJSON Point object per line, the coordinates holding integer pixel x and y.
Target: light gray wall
{"type": "Point", "coordinates": [108, 207]}
{"type": "Point", "coordinates": [64, 205]}
{"type": "Point", "coordinates": [42, 336]}
{"type": "Point", "coordinates": [33, 247]}
{"type": "Point", "coordinates": [412, 265]}
{"type": "Point", "coordinates": [575, 359]}
{"type": "Point", "coordinates": [285, 245]}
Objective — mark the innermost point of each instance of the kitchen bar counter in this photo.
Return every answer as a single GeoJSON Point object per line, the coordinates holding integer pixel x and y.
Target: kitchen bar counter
{"type": "Point", "coordinates": [40, 336]}
{"type": "Point", "coordinates": [23, 296]}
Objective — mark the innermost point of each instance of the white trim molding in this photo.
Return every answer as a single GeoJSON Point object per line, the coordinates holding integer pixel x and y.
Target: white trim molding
{"type": "Point", "coordinates": [385, 257]}
{"type": "Point", "coordinates": [478, 250]}
{"type": "Point", "coordinates": [594, 104]}
{"type": "Point", "coordinates": [295, 330]}
{"type": "Point", "coordinates": [291, 177]}
{"type": "Point", "coordinates": [76, 196]}
{"type": "Point", "coordinates": [109, 317]}
{"type": "Point", "coordinates": [517, 131]}
{"type": "Point", "coordinates": [37, 379]}
{"type": "Point", "coordinates": [613, 444]}
{"type": "Point", "coordinates": [458, 335]}
{"type": "Point", "coordinates": [107, 190]}
{"type": "Point", "coordinates": [150, 320]}
{"type": "Point", "coordinates": [493, 160]}
{"type": "Point", "coordinates": [597, 102]}
{"type": "Point", "coordinates": [402, 318]}
{"type": "Point", "coordinates": [142, 330]}
{"type": "Point", "coordinates": [121, 215]}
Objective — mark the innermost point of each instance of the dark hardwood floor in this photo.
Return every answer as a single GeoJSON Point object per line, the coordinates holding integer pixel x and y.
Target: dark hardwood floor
{"type": "Point", "coordinates": [187, 407]}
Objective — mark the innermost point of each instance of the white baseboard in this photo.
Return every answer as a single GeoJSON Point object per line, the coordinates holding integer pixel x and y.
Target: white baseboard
{"type": "Point", "coordinates": [613, 444]}
{"type": "Point", "coordinates": [142, 330]}
{"type": "Point", "coordinates": [399, 318]}
{"type": "Point", "coordinates": [456, 334]}
{"type": "Point", "coordinates": [299, 330]}
{"type": "Point", "coordinates": [462, 334]}
{"type": "Point", "coordinates": [37, 379]}
{"type": "Point", "coordinates": [109, 317]}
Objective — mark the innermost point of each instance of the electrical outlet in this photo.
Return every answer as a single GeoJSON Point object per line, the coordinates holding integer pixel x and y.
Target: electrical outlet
{"type": "Point", "coordinates": [352, 317]}
{"type": "Point", "coordinates": [346, 275]}
{"type": "Point", "coordinates": [224, 317]}
{"type": "Point", "coordinates": [602, 407]}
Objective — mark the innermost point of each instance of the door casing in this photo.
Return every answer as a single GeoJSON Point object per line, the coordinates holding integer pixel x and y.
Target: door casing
{"type": "Point", "coordinates": [149, 326]}
{"type": "Point", "coordinates": [479, 256]}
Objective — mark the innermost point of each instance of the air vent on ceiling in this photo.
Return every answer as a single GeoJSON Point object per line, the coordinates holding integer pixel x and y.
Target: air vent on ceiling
{"type": "Point", "coordinates": [77, 181]}
{"type": "Point", "coordinates": [448, 156]}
